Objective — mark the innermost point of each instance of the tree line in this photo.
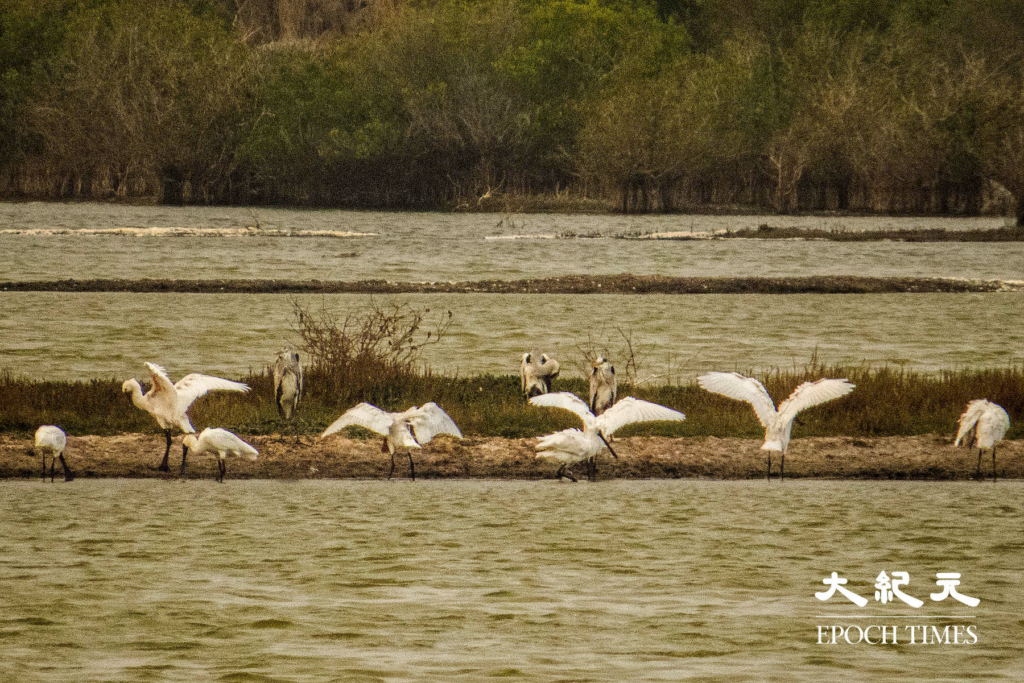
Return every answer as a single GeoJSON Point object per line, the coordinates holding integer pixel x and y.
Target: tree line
{"type": "Point", "coordinates": [647, 105]}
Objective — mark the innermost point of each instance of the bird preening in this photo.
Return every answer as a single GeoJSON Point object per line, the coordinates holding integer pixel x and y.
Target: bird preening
{"type": "Point", "coordinates": [602, 386]}
{"type": "Point", "coordinates": [536, 375]}
{"type": "Point", "coordinates": [983, 425]}
{"type": "Point", "coordinates": [169, 403]}
{"type": "Point", "coordinates": [778, 424]}
{"type": "Point", "coordinates": [572, 445]}
{"type": "Point", "coordinates": [287, 382]}
{"type": "Point", "coordinates": [403, 431]}
{"type": "Point", "coordinates": [52, 440]}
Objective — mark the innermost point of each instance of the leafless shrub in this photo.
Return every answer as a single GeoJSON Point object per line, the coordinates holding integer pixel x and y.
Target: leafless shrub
{"type": "Point", "coordinates": [630, 356]}
{"type": "Point", "coordinates": [352, 356]}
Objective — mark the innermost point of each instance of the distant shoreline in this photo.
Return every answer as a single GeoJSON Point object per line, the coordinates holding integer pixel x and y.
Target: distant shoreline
{"type": "Point", "coordinates": [924, 457]}
{"type": "Point", "coordinates": [572, 284]}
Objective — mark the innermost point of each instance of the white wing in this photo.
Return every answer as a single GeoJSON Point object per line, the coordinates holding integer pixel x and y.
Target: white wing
{"type": "Point", "coordinates": [191, 387]}
{"type": "Point", "coordinates": [429, 421]}
{"type": "Point", "coordinates": [567, 401]}
{"type": "Point", "coordinates": [364, 415]}
{"type": "Point", "coordinates": [970, 418]}
{"type": "Point", "coordinates": [735, 385]}
{"type": "Point", "coordinates": [630, 410]}
{"type": "Point", "coordinates": [161, 382]}
{"type": "Point", "coordinates": [812, 393]}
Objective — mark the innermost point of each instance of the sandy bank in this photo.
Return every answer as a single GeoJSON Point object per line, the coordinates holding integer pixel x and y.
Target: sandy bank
{"type": "Point", "coordinates": [918, 457]}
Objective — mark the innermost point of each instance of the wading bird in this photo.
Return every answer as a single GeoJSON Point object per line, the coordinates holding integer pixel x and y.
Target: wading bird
{"type": "Point", "coordinates": [602, 386]}
{"type": "Point", "coordinates": [572, 445]}
{"type": "Point", "coordinates": [536, 377]}
{"type": "Point", "coordinates": [398, 429]}
{"type": "Point", "coordinates": [778, 424]}
{"type": "Point", "coordinates": [220, 442]}
{"type": "Point", "coordinates": [52, 439]}
{"type": "Point", "coordinates": [983, 424]}
{"type": "Point", "coordinates": [169, 403]}
{"type": "Point", "coordinates": [287, 382]}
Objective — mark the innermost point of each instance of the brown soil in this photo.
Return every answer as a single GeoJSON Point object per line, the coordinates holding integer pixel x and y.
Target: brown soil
{"type": "Point", "coordinates": [572, 284]}
{"type": "Point", "coordinates": [283, 457]}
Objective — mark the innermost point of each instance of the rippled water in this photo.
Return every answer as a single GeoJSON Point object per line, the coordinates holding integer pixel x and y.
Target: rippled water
{"type": "Point", "coordinates": [68, 335]}
{"type": "Point", "coordinates": [466, 581]}
{"type": "Point", "coordinates": [433, 246]}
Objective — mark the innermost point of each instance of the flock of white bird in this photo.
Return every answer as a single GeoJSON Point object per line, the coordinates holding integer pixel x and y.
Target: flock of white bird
{"type": "Point", "coordinates": [982, 424]}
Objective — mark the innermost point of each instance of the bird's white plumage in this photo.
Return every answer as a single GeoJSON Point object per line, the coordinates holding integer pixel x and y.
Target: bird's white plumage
{"type": "Point", "coordinates": [988, 420]}
{"type": "Point", "coordinates": [778, 424]}
{"type": "Point", "coordinates": [625, 412]}
{"type": "Point", "coordinates": [365, 415]}
{"type": "Point", "coordinates": [566, 400]}
{"type": "Point", "coordinates": [220, 442]}
{"type": "Point", "coordinates": [168, 403]}
{"type": "Point", "coordinates": [735, 385]}
{"type": "Point", "coordinates": [573, 445]}
{"type": "Point", "coordinates": [426, 421]}
{"type": "Point", "coordinates": [52, 439]}
{"type": "Point", "coordinates": [429, 420]}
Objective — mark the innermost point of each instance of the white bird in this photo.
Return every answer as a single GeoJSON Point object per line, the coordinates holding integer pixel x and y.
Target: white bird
{"type": "Point", "coordinates": [536, 377]}
{"type": "Point", "coordinates": [287, 382]}
{"type": "Point", "coordinates": [398, 428]}
{"type": "Point", "coordinates": [983, 424]}
{"type": "Point", "coordinates": [220, 442]}
{"type": "Point", "coordinates": [573, 445]}
{"type": "Point", "coordinates": [602, 386]}
{"type": "Point", "coordinates": [169, 403]}
{"type": "Point", "coordinates": [52, 439]}
{"type": "Point", "coordinates": [778, 424]}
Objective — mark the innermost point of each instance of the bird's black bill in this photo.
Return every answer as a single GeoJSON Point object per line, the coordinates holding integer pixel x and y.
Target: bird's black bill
{"type": "Point", "coordinates": [614, 454]}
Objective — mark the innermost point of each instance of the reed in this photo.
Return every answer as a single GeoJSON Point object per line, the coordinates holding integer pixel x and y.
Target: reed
{"type": "Point", "coordinates": [888, 401]}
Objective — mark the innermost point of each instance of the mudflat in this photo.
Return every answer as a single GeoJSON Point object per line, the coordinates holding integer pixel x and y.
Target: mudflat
{"type": "Point", "coordinates": [929, 457]}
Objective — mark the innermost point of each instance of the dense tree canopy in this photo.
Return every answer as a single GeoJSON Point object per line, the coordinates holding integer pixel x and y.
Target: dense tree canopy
{"type": "Point", "coordinates": [650, 105]}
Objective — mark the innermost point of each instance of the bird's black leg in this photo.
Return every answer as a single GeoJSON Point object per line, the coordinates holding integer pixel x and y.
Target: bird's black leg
{"type": "Point", "coordinates": [412, 468]}
{"type": "Point", "coordinates": [163, 465]}
{"type": "Point", "coordinates": [993, 463]}
{"type": "Point", "coordinates": [570, 475]}
{"type": "Point", "coordinates": [223, 470]}
{"type": "Point", "coordinates": [53, 466]}
{"type": "Point", "coordinates": [392, 470]}
{"type": "Point", "coordinates": [184, 454]}
{"type": "Point", "coordinates": [68, 476]}
{"type": "Point", "coordinates": [593, 468]}
{"type": "Point", "coordinates": [44, 467]}
{"type": "Point", "coordinates": [560, 473]}
{"type": "Point", "coordinates": [769, 465]}
{"type": "Point", "coordinates": [782, 467]}
{"type": "Point", "coordinates": [977, 475]}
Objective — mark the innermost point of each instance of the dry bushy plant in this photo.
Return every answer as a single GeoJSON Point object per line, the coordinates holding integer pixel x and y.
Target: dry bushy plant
{"type": "Point", "coordinates": [351, 357]}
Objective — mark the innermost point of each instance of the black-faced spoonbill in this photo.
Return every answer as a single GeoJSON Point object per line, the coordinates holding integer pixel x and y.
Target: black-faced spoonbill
{"type": "Point", "coordinates": [572, 445]}
{"type": "Point", "coordinates": [983, 424]}
{"type": "Point", "coordinates": [536, 376]}
{"type": "Point", "coordinates": [169, 403]}
{"type": "Point", "coordinates": [220, 442]}
{"type": "Point", "coordinates": [778, 424]}
{"type": "Point", "coordinates": [53, 440]}
{"type": "Point", "coordinates": [398, 428]}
